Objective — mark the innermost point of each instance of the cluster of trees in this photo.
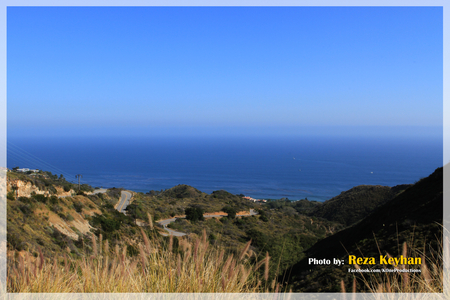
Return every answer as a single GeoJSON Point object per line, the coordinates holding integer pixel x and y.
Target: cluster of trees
{"type": "Point", "coordinates": [230, 211]}
{"type": "Point", "coordinates": [194, 214]}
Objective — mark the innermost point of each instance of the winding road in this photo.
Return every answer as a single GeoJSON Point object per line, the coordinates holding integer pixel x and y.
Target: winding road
{"type": "Point", "coordinates": [99, 191]}
{"type": "Point", "coordinates": [124, 201]}
{"type": "Point", "coordinates": [166, 222]}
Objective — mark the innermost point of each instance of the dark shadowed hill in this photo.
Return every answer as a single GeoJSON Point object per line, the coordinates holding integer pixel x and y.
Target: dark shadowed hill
{"type": "Point", "coordinates": [357, 203]}
{"type": "Point", "coordinates": [414, 215]}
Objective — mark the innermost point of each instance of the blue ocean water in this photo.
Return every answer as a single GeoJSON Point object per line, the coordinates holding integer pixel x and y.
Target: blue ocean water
{"type": "Point", "coordinates": [317, 168]}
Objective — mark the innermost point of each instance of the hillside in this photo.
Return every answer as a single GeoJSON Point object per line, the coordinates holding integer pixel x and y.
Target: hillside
{"type": "Point", "coordinates": [44, 218]}
{"type": "Point", "coordinates": [172, 202]}
{"type": "Point", "coordinates": [413, 216]}
{"type": "Point", "coordinates": [56, 225]}
{"type": "Point", "coordinates": [357, 203]}
{"type": "Point", "coordinates": [43, 183]}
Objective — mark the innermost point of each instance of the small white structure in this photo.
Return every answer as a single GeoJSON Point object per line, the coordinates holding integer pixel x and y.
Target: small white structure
{"type": "Point", "coordinates": [254, 200]}
{"type": "Point", "coordinates": [23, 170]}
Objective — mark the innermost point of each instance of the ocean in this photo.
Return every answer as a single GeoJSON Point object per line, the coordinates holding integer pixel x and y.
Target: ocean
{"type": "Point", "coordinates": [316, 168]}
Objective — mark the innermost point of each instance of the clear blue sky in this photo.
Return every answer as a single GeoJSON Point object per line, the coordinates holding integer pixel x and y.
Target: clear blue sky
{"type": "Point", "coordinates": [224, 70]}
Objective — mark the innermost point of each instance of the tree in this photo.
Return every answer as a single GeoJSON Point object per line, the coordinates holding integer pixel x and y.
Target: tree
{"type": "Point", "coordinates": [132, 211]}
{"type": "Point", "coordinates": [194, 214]}
{"type": "Point", "coordinates": [230, 211]}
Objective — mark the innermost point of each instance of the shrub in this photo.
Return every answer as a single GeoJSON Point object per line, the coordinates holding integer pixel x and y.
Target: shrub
{"type": "Point", "coordinates": [194, 214]}
{"type": "Point", "coordinates": [62, 216]}
{"type": "Point", "coordinates": [264, 218]}
{"type": "Point", "coordinates": [26, 209]}
{"type": "Point", "coordinates": [107, 224]}
{"type": "Point", "coordinates": [16, 242]}
{"type": "Point", "coordinates": [86, 187]}
{"type": "Point", "coordinates": [24, 199]}
{"type": "Point", "coordinates": [230, 211]}
{"type": "Point", "coordinates": [78, 207]}
{"type": "Point", "coordinates": [40, 198]}
{"type": "Point", "coordinates": [212, 237]}
{"type": "Point", "coordinates": [54, 200]}
{"type": "Point", "coordinates": [10, 195]}
{"type": "Point", "coordinates": [56, 208]}
{"type": "Point", "coordinates": [52, 189]}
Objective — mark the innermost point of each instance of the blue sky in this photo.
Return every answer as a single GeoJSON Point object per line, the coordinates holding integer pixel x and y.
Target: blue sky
{"type": "Point", "coordinates": [224, 70]}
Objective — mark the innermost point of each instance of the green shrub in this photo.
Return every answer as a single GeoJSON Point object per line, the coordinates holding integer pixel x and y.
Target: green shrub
{"type": "Point", "coordinates": [56, 208]}
{"type": "Point", "coordinates": [194, 214]}
{"type": "Point", "coordinates": [52, 189]}
{"type": "Point", "coordinates": [40, 198]}
{"type": "Point", "coordinates": [54, 200]}
{"type": "Point", "coordinates": [78, 207]}
{"type": "Point", "coordinates": [107, 224]}
{"type": "Point", "coordinates": [10, 195]}
{"type": "Point", "coordinates": [24, 199]}
{"type": "Point", "coordinates": [212, 237]}
{"type": "Point", "coordinates": [26, 209]}
{"type": "Point", "coordinates": [230, 211]}
{"type": "Point", "coordinates": [264, 218]}
{"type": "Point", "coordinates": [16, 242]}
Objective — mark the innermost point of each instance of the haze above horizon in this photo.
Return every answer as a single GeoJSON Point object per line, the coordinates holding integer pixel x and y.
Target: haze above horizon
{"type": "Point", "coordinates": [224, 70]}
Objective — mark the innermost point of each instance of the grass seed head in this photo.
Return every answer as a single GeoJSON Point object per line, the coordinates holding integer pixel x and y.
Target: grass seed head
{"type": "Point", "coordinates": [150, 221]}
{"type": "Point", "coordinates": [266, 266]}
{"type": "Point", "coordinates": [244, 251]}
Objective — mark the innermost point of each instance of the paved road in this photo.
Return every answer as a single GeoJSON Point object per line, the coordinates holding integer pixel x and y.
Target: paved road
{"type": "Point", "coordinates": [124, 201]}
{"type": "Point", "coordinates": [98, 191]}
{"type": "Point", "coordinates": [164, 223]}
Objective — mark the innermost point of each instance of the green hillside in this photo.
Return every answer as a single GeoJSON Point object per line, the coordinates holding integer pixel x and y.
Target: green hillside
{"type": "Point", "coordinates": [357, 203]}
{"type": "Point", "coordinates": [286, 232]}
{"type": "Point", "coordinates": [414, 216]}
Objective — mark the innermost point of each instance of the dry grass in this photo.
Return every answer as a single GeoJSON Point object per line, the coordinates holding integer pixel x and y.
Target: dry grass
{"type": "Point", "coordinates": [195, 267]}
{"type": "Point", "coordinates": [401, 285]}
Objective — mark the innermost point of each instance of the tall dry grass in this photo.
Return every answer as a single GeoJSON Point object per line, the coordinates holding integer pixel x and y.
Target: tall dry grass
{"type": "Point", "coordinates": [401, 285]}
{"type": "Point", "coordinates": [195, 267]}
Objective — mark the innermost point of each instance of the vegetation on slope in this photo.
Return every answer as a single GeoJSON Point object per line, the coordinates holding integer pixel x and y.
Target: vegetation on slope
{"type": "Point", "coordinates": [44, 181]}
{"type": "Point", "coordinates": [284, 232]}
{"type": "Point", "coordinates": [357, 203]}
{"type": "Point", "coordinates": [174, 201]}
{"type": "Point", "coordinates": [285, 237]}
{"type": "Point", "coordinates": [414, 217]}
{"type": "Point", "coordinates": [63, 225]}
